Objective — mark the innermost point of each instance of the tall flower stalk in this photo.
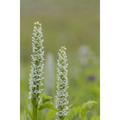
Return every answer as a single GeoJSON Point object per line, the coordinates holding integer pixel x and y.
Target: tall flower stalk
{"type": "Point", "coordinates": [36, 81]}
{"type": "Point", "coordinates": [62, 103]}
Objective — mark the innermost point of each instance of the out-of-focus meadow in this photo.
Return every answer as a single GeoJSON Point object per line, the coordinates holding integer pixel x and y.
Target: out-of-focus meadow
{"type": "Point", "coordinates": [74, 24]}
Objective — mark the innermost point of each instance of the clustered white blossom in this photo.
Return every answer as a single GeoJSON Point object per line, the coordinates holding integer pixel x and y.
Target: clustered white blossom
{"type": "Point", "coordinates": [62, 103]}
{"type": "Point", "coordinates": [36, 80]}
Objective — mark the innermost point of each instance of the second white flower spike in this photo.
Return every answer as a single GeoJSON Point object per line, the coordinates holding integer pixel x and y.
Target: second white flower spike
{"type": "Point", "coordinates": [62, 103]}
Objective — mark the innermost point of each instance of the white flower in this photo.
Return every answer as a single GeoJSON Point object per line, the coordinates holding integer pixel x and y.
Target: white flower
{"type": "Point", "coordinates": [36, 75]}
{"type": "Point", "coordinates": [62, 103]}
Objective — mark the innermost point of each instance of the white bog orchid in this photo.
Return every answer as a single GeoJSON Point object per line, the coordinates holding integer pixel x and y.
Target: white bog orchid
{"type": "Point", "coordinates": [62, 103]}
{"type": "Point", "coordinates": [36, 80]}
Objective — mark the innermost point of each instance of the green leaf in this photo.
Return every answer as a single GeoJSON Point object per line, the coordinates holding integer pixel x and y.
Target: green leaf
{"type": "Point", "coordinates": [46, 105]}
{"type": "Point", "coordinates": [46, 98]}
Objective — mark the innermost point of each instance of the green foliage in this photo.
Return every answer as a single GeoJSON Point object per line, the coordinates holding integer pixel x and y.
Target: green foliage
{"type": "Point", "coordinates": [77, 113]}
{"type": "Point", "coordinates": [46, 103]}
{"type": "Point", "coordinates": [46, 98]}
{"type": "Point", "coordinates": [80, 113]}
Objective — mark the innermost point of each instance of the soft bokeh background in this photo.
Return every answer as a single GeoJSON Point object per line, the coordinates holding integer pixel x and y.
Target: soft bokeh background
{"type": "Point", "coordinates": [74, 24]}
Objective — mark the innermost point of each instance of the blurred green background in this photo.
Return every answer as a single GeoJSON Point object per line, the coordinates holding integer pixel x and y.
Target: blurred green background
{"type": "Point", "coordinates": [74, 24]}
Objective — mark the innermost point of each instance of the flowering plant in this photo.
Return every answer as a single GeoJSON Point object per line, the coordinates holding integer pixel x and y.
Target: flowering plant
{"type": "Point", "coordinates": [62, 102]}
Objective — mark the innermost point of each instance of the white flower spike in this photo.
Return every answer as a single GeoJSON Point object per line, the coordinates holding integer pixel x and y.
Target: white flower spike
{"type": "Point", "coordinates": [62, 103]}
{"type": "Point", "coordinates": [36, 80]}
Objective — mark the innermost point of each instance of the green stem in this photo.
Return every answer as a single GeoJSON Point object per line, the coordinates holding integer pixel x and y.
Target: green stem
{"type": "Point", "coordinates": [34, 112]}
